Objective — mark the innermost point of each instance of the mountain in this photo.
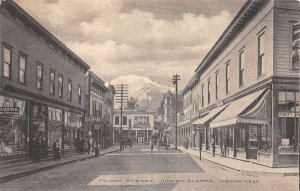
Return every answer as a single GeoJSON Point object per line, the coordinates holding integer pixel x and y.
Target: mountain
{"type": "Point", "coordinates": [139, 87]}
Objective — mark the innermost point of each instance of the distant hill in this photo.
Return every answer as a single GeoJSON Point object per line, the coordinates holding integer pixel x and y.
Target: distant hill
{"type": "Point", "coordinates": [139, 86]}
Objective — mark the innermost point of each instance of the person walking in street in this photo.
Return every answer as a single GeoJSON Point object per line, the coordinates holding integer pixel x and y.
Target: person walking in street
{"type": "Point", "coordinates": [151, 144]}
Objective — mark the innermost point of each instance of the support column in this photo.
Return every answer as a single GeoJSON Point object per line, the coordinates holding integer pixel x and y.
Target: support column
{"type": "Point", "coordinates": [275, 129]}
{"type": "Point", "coordinates": [63, 133]}
{"type": "Point", "coordinates": [136, 135]}
{"type": "Point", "coordinates": [147, 136]}
{"type": "Point", "coordinates": [233, 141]}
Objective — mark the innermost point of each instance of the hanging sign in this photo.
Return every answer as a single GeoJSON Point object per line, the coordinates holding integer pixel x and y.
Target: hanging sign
{"type": "Point", "coordinates": [9, 110]}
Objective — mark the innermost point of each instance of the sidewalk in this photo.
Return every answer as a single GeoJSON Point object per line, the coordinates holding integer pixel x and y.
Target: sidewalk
{"type": "Point", "coordinates": [244, 167]}
{"type": "Point", "coordinates": [14, 172]}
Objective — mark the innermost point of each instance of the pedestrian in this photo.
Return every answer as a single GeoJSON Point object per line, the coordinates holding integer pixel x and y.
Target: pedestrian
{"type": "Point", "coordinates": [224, 150]}
{"type": "Point", "coordinates": [213, 144]}
{"type": "Point", "coordinates": [82, 146]}
{"type": "Point", "coordinates": [151, 144]}
{"type": "Point", "coordinates": [43, 147]}
{"type": "Point", "coordinates": [167, 143]}
{"type": "Point", "coordinates": [89, 145]}
{"type": "Point", "coordinates": [55, 148]}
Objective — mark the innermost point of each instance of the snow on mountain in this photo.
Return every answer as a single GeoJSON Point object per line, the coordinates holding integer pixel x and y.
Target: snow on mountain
{"type": "Point", "coordinates": [139, 87]}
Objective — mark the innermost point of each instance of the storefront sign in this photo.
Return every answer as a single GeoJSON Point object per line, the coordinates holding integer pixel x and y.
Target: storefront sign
{"type": "Point", "coordinates": [9, 110]}
{"type": "Point", "coordinates": [285, 142]}
{"type": "Point", "coordinates": [92, 119]}
{"type": "Point", "coordinates": [288, 114]}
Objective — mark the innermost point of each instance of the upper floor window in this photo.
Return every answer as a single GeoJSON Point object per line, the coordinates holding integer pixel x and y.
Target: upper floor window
{"type": "Point", "coordinates": [94, 108]}
{"type": "Point", "coordinates": [52, 82]}
{"type": "Point", "coordinates": [295, 46]}
{"type": "Point", "coordinates": [208, 91]}
{"type": "Point", "coordinates": [117, 120]}
{"type": "Point", "coordinates": [100, 111]}
{"type": "Point", "coordinates": [124, 120]}
{"type": "Point", "coordinates": [22, 69]}
{"type": "Point", "coordinates": [39, 76]}
{"type": "Point", "coordinates": [6, 62]}
{"type": "Point", "coordinates": [261, 55]}
{"type": "Point", "coordinates": [202, 95]}
{"type": "Point", "coordinates": [217, 85]}
{"type": "Point", "coordinates": [227, 78]}
{"type": "Point", "coordinates": [60, 86]}
{"type": "Point", "coordinates": [241, 68]}
{"type": "Point", "coordinates": [70, 90]}
{"type": "Point", "coordinates": [79, 94]}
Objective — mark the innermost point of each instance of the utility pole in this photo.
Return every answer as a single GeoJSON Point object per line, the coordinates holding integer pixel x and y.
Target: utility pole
{"type": "Point", "coordinates": [175, 80]}
{"type": "Point", "coordinates": [121, 97]}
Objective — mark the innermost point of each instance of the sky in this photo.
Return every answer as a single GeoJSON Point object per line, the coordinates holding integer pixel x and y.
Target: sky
{"type": "Point", "coordinates": [150, 38]}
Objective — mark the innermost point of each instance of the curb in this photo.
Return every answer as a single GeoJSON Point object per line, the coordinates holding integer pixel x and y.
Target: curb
{"type": "Point", "coordinates": [44, 168]}
{"type": "Point", "coordinates": [244, 172]}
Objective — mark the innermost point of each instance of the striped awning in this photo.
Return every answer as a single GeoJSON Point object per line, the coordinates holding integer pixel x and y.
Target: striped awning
{"type": "Point", "coordinates": [248, 109]}
{"type": "Point", "coordinates": [205, 119]}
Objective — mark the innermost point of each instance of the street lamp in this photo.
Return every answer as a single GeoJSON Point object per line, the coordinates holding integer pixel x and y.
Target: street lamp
{"type": "Point", "coordinates": [199, 130]}
{"type": "Point", "coordinates": [175, 80]}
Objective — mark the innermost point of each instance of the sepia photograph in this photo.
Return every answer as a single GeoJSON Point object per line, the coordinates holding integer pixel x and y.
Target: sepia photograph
{"type": "Point", "coordinates": [149, 95]}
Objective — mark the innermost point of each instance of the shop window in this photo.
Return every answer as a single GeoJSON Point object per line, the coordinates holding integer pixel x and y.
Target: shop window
{"type": "Point", "coordinates": [288, 114]}
{"type": "Point", "coordinates": [253, 136]}
{"type": "Point", "coordinates": [52, 82]}
{"type": "Point", "coordinates": [7, 53]}
{"type": "Point", "coordinates": [240, 138]}
{"type": "Point", "coordinates": [117, 120]}
{"type": "Point", "coordinates": [295, 45]}
{"type": "Point", "coordinates": [12, 136]}
{"type": "Point", "coordinates": [22, 69]}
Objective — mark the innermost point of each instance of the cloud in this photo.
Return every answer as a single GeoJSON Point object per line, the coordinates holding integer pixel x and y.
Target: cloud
{"type": "Point", "coordinates": [118, 37]}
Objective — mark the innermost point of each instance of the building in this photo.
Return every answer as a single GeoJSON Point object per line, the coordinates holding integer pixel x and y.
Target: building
{"type": "Point", "coordinates": [138, 124]}
{"type": "Point", "coordinates": [99, 110]}
{"type": "Point", "coordinates": [109, 109]}
{"type": "Point", "coordinates": [249, 86]}
{"type": "Point", "coordinates": [42, 82]}
{"type": "Point", "coordinates": [167, 111]}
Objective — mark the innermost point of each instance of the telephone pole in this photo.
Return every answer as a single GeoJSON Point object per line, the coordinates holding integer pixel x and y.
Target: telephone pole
{"type": "Point", "coordinates": [175, 80]}
{"type": "Point", "coordinates": [121, 97]}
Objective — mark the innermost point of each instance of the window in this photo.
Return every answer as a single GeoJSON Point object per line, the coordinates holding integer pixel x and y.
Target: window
{"type": "Point", "coordinates": [202, 95]}
{"type": "Point", "coordinates": [241, 66]}
{"type": "Point", "coordinates": [208, 91]}
{"type": "Point", "coordinates": [217, 85]}
{"type": "Point", "coordinates": [6, 62]}
{"type": "Point", "coordinates": [70, 90]}
{"type": "Point", "coordinates": [79, 94]}
{"type": "Point", "coordinates": [261, 54]}
{"type": "Point", "coordinates": [52, 82]}
{"type": "Point", "coordinates": [227, 78]}
{"type": "Point", "coordinates": [39, 76]}
{"type": "Point", "coordinates": [60, 86]}
{"type": "Point", "coordinates": [124, 120]}
{"type": "Point", "coordinates": [100, 113]}
{"type": "Point", "coordinates": [94, 108]}
{"type": "Point", "coordinates": [295, 45]}
{"type": "Point", "coordinates": [22, 69]}
{"type": "Point", "coordinates": [117, 120]}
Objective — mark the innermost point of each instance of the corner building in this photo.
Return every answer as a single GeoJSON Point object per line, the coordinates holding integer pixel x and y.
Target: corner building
{"type": "Point", "coordinates": [248, 86]}
{"type": "Point", "coordinates": [42, 80]}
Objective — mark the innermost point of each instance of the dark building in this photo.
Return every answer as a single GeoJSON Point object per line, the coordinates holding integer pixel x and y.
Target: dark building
{"type": "Point", "coordinates": [42, 86]}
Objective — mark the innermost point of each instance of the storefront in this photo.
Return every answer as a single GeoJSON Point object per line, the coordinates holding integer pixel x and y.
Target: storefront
{"type": "Point", "coordinates": [72, 129]}
{"type": "Point", "coordinates": [13, 128]}
{"type": "Point", "coordinates": [244, 127]}
{"type": "Point", "coordinates": [55, 127]}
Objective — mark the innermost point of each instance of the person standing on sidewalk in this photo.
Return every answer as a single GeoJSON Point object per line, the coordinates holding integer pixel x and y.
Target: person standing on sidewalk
{"type": "Point", "coordinates": [213, 145]}
{"type": "Point", "coordinates": [151, 144]}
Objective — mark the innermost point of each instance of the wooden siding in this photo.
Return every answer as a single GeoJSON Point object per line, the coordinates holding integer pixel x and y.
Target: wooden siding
{"type": "Point", "coordinates": [283, 16]}
{"type": "Point", "coordinates": [14, 34]}
{"type": "Point", "coordinates": [247, 40]}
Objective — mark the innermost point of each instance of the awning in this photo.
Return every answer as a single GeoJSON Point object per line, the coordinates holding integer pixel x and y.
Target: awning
{"type": "Point", "coordinates": [214, 112]}
{"type": "Point", "coordinates": [231, 115]}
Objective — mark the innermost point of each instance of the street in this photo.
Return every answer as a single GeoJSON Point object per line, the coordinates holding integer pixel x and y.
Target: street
{"type": "Point", "coordinates": [138, 168]}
